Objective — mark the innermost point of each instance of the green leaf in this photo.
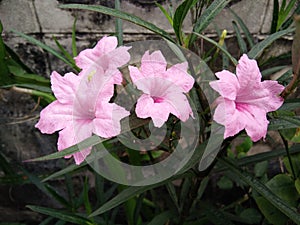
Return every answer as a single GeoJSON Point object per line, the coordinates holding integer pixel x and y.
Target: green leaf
{"type": "Point", "coordinates": [225, 183]}
{"type": "Point", "coordinates": [119, 25]}
{"type": "Point", "coordinates": [251, 215]}
{"type": "Point", "coordinates": [4, 72]}
{"type": "Point", "coordinates": [284, 122]}
{"type": "Point", "coordinates": [60, 214]}
{"type": "Point", "coordinates": [122, 15]}
{"type": "Point", "coordinates": [217, 217]}
{"type": "Point", "coordinates": [179, 17]}
{"type": "Point", "coordinates": [264, 191]}
{"type": "Point", "coordinates": [207, 16]}
{"type": "Point", "coordinates": [261, 168]}
{"type": "Point", "coordinates": [45, 47]}
{"type": "Point", "coordinates": [163, 218]}
{"type": "Point", "coordinates": [283, 186]}
{"type": "Point", "coordinates": [241, 42]}
{"type": "Point", "coordinates": [261, 46]}
{"type": "Point", "coordinates": [172, 192]}
{"type": "Point", "coordinates": [244, 28]}
{"type": "Point", "coordinates": [295, 160]}
{"type": "Point", "coordinates": [164, 11]}
{"type": "Point", "coordinates": [74, 46]}
{"type": "Point", "coordinates": [297, 185]}
{"type": "Point", "coordinates": [233, 60]}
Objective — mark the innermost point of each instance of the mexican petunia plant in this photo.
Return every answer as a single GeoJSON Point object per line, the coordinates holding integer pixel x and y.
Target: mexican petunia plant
{"type": "Point", "coordinates": [197, 113]}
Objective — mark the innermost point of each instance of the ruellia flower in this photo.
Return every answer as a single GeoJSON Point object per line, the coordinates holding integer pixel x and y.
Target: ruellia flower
{"type": "Point", "coordinates": [106, 55]}
{"type": "Point", "coordinates": [163, 88]}
{"type": "Point", "coordinates": [82, 107]}
{"type": "Point", "coordinates": [245, 99]}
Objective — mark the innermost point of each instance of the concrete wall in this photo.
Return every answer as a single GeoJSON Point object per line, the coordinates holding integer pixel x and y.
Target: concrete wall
{"type": "Point", "coordinates": [43, 19]}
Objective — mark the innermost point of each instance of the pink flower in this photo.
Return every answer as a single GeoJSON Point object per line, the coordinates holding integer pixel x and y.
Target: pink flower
{"type": "Point", "coordinates": [245, 100]}
{"type": "Point", "coordinates": [82, 107]}
{"type": "Point", "coordinates": [163, 89]}
{"type": "Point", "coordinates": [106, 55]}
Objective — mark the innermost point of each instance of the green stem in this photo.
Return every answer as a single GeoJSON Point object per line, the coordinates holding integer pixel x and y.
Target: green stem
{"type": "Point", "coordinates": [287, 149]}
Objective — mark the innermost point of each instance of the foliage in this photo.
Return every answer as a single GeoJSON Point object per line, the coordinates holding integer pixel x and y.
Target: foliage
{"type": "Point", "coordinates": [235, 188]}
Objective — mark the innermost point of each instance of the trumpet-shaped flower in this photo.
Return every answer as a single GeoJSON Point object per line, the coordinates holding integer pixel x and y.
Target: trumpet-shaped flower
{"type": "Point", "coordinates": [245, 100]}
{"type": "Point", "coordinates": [81, 109]}
{"type": "Point", "coordinates": [163, 89]}
{"type": "Point", "coordinates": [106, 55]}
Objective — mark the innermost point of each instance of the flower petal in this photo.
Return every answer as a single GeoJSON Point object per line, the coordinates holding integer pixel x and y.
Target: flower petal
{"type": "Point", "coordinates": [93, 86]}
{"type": "Point", "coordinates": [54, 117]}
{"type": "Point", "coordinates": [74, 134]}
{"type": "Point", "coordinates": [153, 65]}
{"type": "Point", "coordinates": [64, 87]}
{"type": "Point", "coordinates": [107, 121]}
{"type": "Point", "coordinates": [274, 91]}
{"type": "Point", "coordinates": [159, 112]}
{"type": "Point", "coordinates": [227, 85]}
{"type": "Point", "coordinates": [89, 56]}
{"type": "Point", "coordinates": [179, 75]}
{"type": "Point", "coordinates": [247, 72]}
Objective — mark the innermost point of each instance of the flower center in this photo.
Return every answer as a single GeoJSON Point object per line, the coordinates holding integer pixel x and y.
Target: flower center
{"type": "Point", "coordinates": [157, 99]}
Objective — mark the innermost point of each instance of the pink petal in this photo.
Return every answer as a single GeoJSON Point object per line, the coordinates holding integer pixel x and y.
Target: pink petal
{"type": "Point", "coordinates": [179, 75]}
{"type": "Point", "coordinates": [89, 56]}
{"type": "Point", "coordinates": [135, 74]}
{"type": "Point", "coordinates": [227, 115]}
{"type": "Point", "coordinates": [256, 123]}
{"type": "Point", "coordinates": [54, 117]}
{"type": "Point", "coordinates": [74, 134]}
{"type": "Point", "coordinates": [247, 72]}
{"type": "Point", "coordinates": [64, 87]}
{"type": "Point", "coordinates": [274, 91]}
{"type": "Point", "coordinates": [227, 85]}
{"type": "Point", "coordinates": [159, 112]}
{"type": "Point", "coordinates": [107, 121]}
{"type": "Point", "coordinates": [153, 65]}
{"type": "Point", "coordinates": [93, 85]}
{"type": "Point", "coordinates": [179, 105]}
{"type": "Point", "coordinates": [118, 57]}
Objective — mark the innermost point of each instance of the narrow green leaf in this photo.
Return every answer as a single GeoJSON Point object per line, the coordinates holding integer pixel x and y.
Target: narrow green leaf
{"type": "Point", "coordinates": [163, 218]}
{"type": "Point", "coordinates": [122, 15]}
{"type": "Point", "coordinates": [261, 46]}
{"type": "Point", "coordinates": [74, 45]}
{"type": "Point", "coordinates": [179, 17]}
{"type": "Point", "coordinates": [244, 28]}
{"type": "Point", "coordinates": [4, 72]}
{"type": "Point", "coordinates": [64, 51]}
{"type": "Point", "coordinates": [164, 11]}
{"type": "Point", "coordinates": [232, 59]}
{"type": "Point", "coordinates": [172, 192]}
{"type": "Point", "coordinates": [207, 16]}
{"type": "Point", "coordinates": [275, 16]}
{"type": "Point", "coordinates": [60, 214]}
{"type": "Point", "coordinates": [58, 197]}
{"type": "Point", "coordinates": [216, 216]}
{"type": "Point", "coordinates": [43, 46]}
{"type": "Point", "coordinates": [86, 200]}
{"type": "Point", "coordinates": [263, 191]}
{"type": "Point", "coordinates": [119, 24]}
{"type": "Point", "coordinates": [241, 42]}
{"type": "Point", "coordinates": [64, 171]}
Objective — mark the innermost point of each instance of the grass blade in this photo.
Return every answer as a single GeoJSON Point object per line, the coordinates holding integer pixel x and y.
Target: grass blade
{"type": "Point", "coordinates": [119, 25]}
{"type": "Point", "coordinates": [58, 213]}
{"type": "Point", "coordinates": [122, 15]}
{"type": "Point", "coordinates": [232, 59]}
{"type": "Point", "coordinates": [241, 42]}
{"type": "Point", "coordinates": [209, 14]}
{"type": "Point", "coordinates": [261, 46]}
{"type": "Point", "coordinates": [45, 47]}
{"type": "Point", "coordinates": [244, 28]}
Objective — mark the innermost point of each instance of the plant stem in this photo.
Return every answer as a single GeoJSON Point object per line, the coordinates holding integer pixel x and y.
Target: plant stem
{"type": "Point", "coordinates": [286, 146]}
